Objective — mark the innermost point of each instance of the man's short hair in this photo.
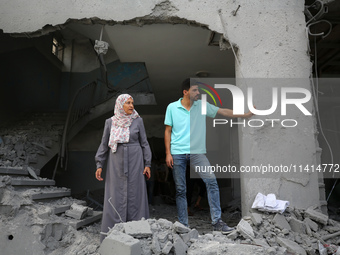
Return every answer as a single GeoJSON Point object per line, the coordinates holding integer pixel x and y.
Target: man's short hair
{"type": "Point", "coordinates": [186, 84]}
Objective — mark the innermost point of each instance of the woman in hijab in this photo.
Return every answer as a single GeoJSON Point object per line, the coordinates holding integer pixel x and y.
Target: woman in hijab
{"type": "Point", "coordinates": [125, 149]}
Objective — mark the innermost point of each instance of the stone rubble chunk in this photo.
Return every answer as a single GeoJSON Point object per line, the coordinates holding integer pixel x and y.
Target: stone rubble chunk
{"type": "Point", "coordinates": [280, 221]}
{"type": "Point", "coordinates": [167, 248]}
{"type": "Point", "coordinates": [163, 237]}
{"type": "Point", "coordinates": [138, 229]}
{"type": "Point", "coordinates": [120, 243]}
{"type": "Point", "coordinates": [313, 226]}
{"type": "Point", "coordinates": [316, 216]}
{"type": "Point", "coordinates": [233, 235]}
{"type": "Point", "coordinates": [180, 228]}
{"type": "Point", "coordinates": [245, 229]}
{"type": "Point", "coordinates": [281, 251]}
{"type": "Point", "coordinates": [155, 246]}
{"type": "Point", "coordinates": [165, 223]}
{"type": "Point", "coordinates": [179, 246]}
{"type": "Point", "coordinates": [256, 218]}
{"type": "Point", "coordinates": [77, 212]}
{"type": "Point", "coordinates": [297, 226]}
{"type": "Point", "coordinates": [193, 234]}
{"type": "Point", "coordinates": [291, 246]}
{"type": "Point", "coordinates": [271, 251]}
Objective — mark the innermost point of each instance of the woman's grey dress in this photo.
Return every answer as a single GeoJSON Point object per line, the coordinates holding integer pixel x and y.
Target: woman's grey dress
{"type": "Point", "coordinates": [124, 180]}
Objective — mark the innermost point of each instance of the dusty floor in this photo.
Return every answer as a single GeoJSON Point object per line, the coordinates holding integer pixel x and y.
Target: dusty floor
{"type": "Point", "coordinates": [200, 220]}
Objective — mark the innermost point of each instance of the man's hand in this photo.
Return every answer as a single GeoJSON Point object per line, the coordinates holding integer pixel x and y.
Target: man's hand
{"type": "Point", "coordinates": [99, 173]}
{"type": "Point", "coordinates": [248, 114]}
{"type": "Point", "coordinates": [147, 172]}
{"type": "Point", "coordinates": [169, 160]}
{"type": "Point", "coordinates": [167, 140]}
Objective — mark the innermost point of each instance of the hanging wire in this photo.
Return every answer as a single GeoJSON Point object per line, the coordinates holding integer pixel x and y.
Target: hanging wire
{"type": "Point", "coordinates": [313, 20]}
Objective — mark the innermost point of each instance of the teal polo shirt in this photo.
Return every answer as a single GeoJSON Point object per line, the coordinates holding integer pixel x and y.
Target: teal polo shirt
{"type": "Point", "coordinates": [188, 127]}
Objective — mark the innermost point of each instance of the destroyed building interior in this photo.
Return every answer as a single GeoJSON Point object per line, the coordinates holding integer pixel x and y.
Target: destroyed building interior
{"type": "Point", "coordinates": [61, 74]}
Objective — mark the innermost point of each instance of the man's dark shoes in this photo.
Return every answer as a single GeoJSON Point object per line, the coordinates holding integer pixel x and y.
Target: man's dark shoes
{"type": "Point", "coordinates": [222, 227]}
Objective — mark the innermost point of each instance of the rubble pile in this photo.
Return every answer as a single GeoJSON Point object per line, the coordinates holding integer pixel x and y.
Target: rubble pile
{"type": "Point", "coordinates": [31, 224]}
{"type": "Point", "coordinates": [28, 233]}
{"type": "Point", "coordinates": [22, 144]}
{"type": "Point", "coordinates": [296, 231]}
{"type": "Point", "coordinates": [164, 237]}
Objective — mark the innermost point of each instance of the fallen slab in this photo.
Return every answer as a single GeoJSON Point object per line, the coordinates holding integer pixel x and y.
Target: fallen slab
{"type": "Point", "coordinates": [120, 243]}
{"type": "Point", "coordinates": [316, 216]}
{"type": "Point", "coordinates": [138, 229]}
{"type": "Point", "coordinates": [291, 246]}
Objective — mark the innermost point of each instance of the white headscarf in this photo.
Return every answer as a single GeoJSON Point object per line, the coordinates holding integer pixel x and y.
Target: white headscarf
{"type": "Point", "coordinates": [121, 121]}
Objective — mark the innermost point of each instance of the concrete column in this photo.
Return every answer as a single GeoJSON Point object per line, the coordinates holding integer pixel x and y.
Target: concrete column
{"type": "Point", "coordinates": [272, 52]}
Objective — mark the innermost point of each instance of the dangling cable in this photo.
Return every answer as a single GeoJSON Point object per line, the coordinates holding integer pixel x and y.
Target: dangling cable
{"type": "Point", "coordinates": [315, 87]}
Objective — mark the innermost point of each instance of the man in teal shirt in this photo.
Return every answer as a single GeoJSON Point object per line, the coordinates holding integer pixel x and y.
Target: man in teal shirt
{"type": "Point", "coordinates": [183, 118]}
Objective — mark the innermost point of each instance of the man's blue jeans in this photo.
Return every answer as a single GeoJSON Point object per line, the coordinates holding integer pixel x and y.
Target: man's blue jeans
{"type": "Point", "coordinates": [179, 171]}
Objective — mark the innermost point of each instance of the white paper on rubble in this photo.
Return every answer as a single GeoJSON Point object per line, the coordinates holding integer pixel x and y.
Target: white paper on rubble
{"type": "Point", "coordinates": [271, 201]}
{"type": "Point", "coordinates": [272, 205]}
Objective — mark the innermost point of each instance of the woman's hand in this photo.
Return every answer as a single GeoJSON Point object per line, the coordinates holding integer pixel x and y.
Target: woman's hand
{"type": "Point", "coordinates": [147, 172]}
{"type": "Point", "coordinates": [98, 174]}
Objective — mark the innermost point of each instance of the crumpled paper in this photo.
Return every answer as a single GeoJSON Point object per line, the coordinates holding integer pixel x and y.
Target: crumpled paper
{"type": "Point", "coordinates": [269, 203]}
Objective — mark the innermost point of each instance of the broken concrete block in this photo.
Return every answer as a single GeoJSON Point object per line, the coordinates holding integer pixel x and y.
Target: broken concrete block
{"type": "Point", "coordinates": [313, 226]}
{"type": "Point", "coordinates": [291, 246]}
{"type": "Point", "coordinates": [297, 226]}
{"type": "Point", "coordinates": [77, 211]}
{"type": "Point", "coordinates": [280, 221]}
{"type": "Point", "coordinates": [165, 223]}
{"type": "Point", "coordinates": [120, 243]}
{"type": "Point", "coordinates": [45, 212]}
{"type": "Point", "coordinates": [167, 247]}
{"type": "Point", "coordinates": [256, 218]}
{"type": "Point", "coordinates": [163, 236]}
{"type": "Point", "coordinates": [233, 235]}
{"type": "Point", "coordinates": [193, 234]}
{"type": "Point", "coordinates": [155, 246]}
{"type": "Point", "coordinates": [271, 251]}
{"type": "Point", "coordinates": [316, 216]}
{"type": "Point", "coordinates": [245, 229]}
{"type": "Point", "coordinates": [285, 231]}
{"type": "Point", "coordinates": [179, 246]}
{"type": "Point", "coordinates": [281, 251]}
{"type": "Point", "coordinates": [180, 228]}
{"type": "Point", "coordinates": [298, 239]}
{"type": "Point", "coordinates": [138, 229]}
{"type": "Point", "coordinates": [325, 237]}
{"type": "Point", "coordinates": [32, 173]}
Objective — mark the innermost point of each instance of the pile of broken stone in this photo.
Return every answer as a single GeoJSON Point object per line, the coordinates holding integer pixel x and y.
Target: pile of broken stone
{"type": "Point", "coordinates": [296, 231]}
{"type": "Point", "coordinates": [21, 145]}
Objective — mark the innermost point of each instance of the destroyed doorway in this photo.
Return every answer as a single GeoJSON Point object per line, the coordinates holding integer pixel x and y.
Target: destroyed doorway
{"type": "Point", "coordinates": [170, 54]}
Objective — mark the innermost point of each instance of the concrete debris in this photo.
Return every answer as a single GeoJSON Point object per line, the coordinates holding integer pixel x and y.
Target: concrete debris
{"type": "Point", "coordinates": [291, 246]}
{"type": "Point", "coordinates": [120, 243]}
{"type": "Point", "coordinates": [256, 218]}
{"type": "Point", "coordinates": [142, 229]}
{"type": "Point", "coordinates": [77, 211]}
{"type": "Point", "coordinates": [297, 226]}
{"type": "Point", "coordinates": [21, 145]}
{"type": "Point", "coordinates": [316, 216]}
{"type": "Point", "coordinates": [245, 229]}
{"type": "Point", "coordinates": [259, 233]}
{"type": "Point", "coordinates": [281, 222]}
